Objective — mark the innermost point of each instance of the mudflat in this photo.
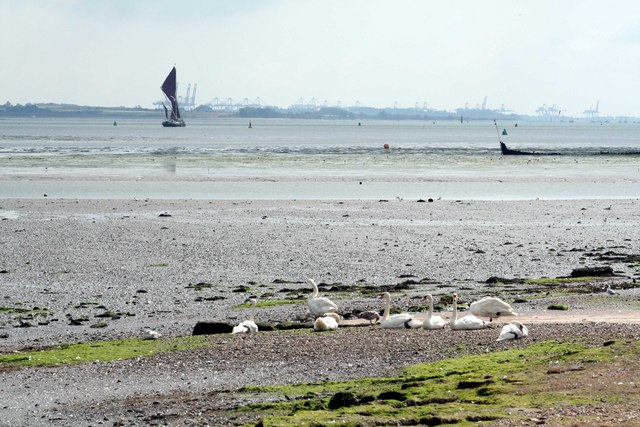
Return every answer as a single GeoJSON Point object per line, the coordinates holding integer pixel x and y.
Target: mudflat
{"type": "Point", "coordinates": [97, 270]}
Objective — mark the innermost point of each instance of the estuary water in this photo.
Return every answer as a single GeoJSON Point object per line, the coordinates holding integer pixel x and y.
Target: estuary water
{"type": "Point", "coordinates": [222, 158]}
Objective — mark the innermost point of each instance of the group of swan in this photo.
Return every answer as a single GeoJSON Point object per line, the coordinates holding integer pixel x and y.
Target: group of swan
{"type": "Point", "coordinates": [487, 307]}
{"type": "Point", "coordinates": [327, 318]}
{"type": "Point", "coordinates": [490, 307]}
{"type": "Point", "coordinates": [322, 308]}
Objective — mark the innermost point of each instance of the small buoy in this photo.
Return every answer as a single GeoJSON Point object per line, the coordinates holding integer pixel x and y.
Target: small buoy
{"type": "Point", "coordinates": [250, 125]}
{"type": "Point", "coordinates": [114, 123]}
{"type": "Point", "coordinates": [516, 125]}
{"type": "Point", "coordinates": [386, 146]}
{"type": "Point", "coordinates": [504, 132]}
{"type": "Point", "coordinates": [359, 124]}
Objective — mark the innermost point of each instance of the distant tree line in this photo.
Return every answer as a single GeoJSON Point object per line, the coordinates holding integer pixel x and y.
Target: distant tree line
{"type": "Point", "coordinates": [23, 110]}
{"type": "Point", "coordinates": [33, 110]}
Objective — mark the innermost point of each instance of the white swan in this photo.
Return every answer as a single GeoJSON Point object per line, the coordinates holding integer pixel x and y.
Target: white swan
{"type": "Point", "coordinates": [513, 331]}
{"type": "Point", "coordinates": [320, 306]}
{"type": "Point", "coordinates": [467, 322]}
{"type": "Point", "coordinates": [328, 322]}
{"type": "Point", "coordinates": [492, 308]}
{"type": "Point", "coordinates": [397, 321]}
{"type": "Point", "coordinates": [247, 326]}
{"type": "Point", "coordinates": [431, 321]}
{"type": "Point", "coordinates": [150, 335]}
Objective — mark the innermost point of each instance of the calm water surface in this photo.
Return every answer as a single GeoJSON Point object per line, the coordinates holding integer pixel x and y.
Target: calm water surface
{"type": "Point", "coordinates": [314, 159]}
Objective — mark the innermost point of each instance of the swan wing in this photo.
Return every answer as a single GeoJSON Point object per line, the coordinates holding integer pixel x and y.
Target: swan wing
{"type": "Point", "coordinates": [433, 322]}
{"type": "Point", "coordinates": [151, 335]}
{"type": "Point", "coordinates": [245, 327]}
{"type": "Point", "coordinates": [397, 321]}
{"type": "Point", "coordinates": [470, 322]}
{"type": "Point", "coordinates": [413, 323]}
{"type": "Point", "coordinates": [250, 325]}
{"type": "Point", "coordinates": [320, 306]}
{"type": "Point", "coordinates": [240, 329]}
{"type": "Point", "coordinates": [319, 324]}
{"type": "Point", "coordinates": [512, 332]}
{"type": "Point", "coordinates": [325, 323]}
{"type": "Point", "coordinates": [491, 307]}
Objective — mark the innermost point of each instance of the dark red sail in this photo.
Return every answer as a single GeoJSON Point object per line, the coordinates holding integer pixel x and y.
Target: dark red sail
{"type": "Point", "coordinates": [169, 85]}
{"type": "Point", "coordinates": [169, 88]}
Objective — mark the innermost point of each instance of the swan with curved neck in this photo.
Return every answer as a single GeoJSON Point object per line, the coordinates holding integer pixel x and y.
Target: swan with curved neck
{"type": "Point", "coordinates": [432, 322]}
{"type": "Point", "coordinates": [468, 322]}
{"type": "Point", "coordinates": [492, 308]}
{"type": "Point", "coordinates": [247, 326]}
{"type": "Point", "coordinates": [328, 322]}
{"type": "Point", "coordinates": [513, 331]}
{"type": "Point", "coordinates": [397, 321]}
{"type": "Point", "coordinates": [319, 306]}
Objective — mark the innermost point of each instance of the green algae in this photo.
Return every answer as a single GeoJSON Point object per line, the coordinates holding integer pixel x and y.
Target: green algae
{"type": "Point", "coordinates": [271, 303]}
{"type": "Point", "coordinates": [563, 280]}
{"type": "Point", "coordinates": [561, 307]}
{"type": "Point", "coordinates": [19, 310]}
{"type": "Point", "coordinates": [462, 391]}
{"type": "Point", "coordinates": [101, 351]}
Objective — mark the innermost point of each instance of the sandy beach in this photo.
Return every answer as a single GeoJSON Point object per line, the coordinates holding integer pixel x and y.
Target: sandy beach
{"type": "Point", "coordinates": [67, 261]}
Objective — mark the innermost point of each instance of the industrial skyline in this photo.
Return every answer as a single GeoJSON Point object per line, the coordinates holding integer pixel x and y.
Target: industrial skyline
{"type": "Point", "coordinates": [188, 103]}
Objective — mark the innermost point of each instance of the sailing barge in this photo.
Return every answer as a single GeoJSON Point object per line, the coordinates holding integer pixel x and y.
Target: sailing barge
{"type": "Point", "coordinates": [169, 88]}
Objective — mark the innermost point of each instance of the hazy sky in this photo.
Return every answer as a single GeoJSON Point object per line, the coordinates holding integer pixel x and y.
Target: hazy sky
{"type": "Point", "coordinates": [447, 53]}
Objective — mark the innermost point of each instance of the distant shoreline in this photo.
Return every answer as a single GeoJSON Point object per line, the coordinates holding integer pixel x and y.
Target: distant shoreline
{"type": "Point", "coordinates": [46, 110]}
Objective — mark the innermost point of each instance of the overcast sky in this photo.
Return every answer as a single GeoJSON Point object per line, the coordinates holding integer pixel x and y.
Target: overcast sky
{"type": "Point", "coordinates": [446, 53]}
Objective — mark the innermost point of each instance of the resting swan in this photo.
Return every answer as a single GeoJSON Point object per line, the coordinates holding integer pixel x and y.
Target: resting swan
{"type": "Point", "coordinates": [247, 326]}
{"type": "Point", "coordinates": [513, 331]}
{"type": "Point", "coordinates": [397, 321]}
{"type": "Point", "coordinates": [150, 334]}
{"type": "Point", "coordinates": [491, 307]}
{"type": "Point", "coordinates": [320, 306]}
{"type": "Point", "coordinates": [328, 322]}
{"type": "Point", "coordinates": [467, 322]}
{"type": "Point", "coordinates": [431, 321]}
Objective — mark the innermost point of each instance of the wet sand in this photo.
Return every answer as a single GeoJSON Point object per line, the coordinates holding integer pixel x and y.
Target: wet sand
{"type": "Point", "coordinates": [135, 264]}
{"type": "Point", "coordinates": [81, 258]}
